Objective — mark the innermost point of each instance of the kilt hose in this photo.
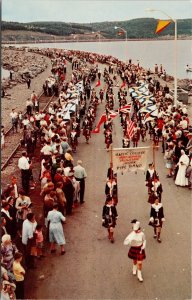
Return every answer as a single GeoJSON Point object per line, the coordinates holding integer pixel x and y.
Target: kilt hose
{"type": "Point", "coordinates": [136, 253]}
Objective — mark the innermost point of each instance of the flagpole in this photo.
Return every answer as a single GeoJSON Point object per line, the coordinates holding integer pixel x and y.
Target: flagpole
{"type": "Point", "coordinates": [154, 164]}
{"type": "Point", "coordinates": [111, 162]}
{"type": "Point", "coordinates": [125, 31]}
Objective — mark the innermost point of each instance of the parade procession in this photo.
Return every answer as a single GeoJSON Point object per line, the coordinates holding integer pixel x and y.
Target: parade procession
{"type": "Point", "coordinates": [96, 178]}
{"type": "Point", "coordinates": [136, 121]}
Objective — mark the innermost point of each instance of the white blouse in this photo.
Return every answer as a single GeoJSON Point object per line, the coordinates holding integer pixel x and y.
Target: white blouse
{"type": "Point", "coordinates": [135, 239]}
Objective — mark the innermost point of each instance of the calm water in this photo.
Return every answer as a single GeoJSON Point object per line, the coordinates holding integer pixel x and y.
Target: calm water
{"type": "Point", "coordinates": [147, 52]}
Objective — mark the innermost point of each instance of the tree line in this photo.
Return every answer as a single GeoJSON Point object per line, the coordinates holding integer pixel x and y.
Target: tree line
{"type": "Point", "coordinates": [136, 28]}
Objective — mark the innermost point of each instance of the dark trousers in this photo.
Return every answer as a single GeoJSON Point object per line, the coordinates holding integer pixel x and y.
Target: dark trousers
{"type": "Point", "coordinates": [19, 292]}
{"type": "Point", "coordinates": [29, 110]}
{"type": "Point", "coordinates": [69, 205]}
{"type": "Point", "coordinates": [25, 177]}
{"type": "Point", "coordinates": [82, 188]}
{"type": "Point", "coordinates": [29, 259]}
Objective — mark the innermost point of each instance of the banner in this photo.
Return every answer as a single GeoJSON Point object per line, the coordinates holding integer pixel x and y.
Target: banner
{"type": "Point", "coordinates": [129, 159]}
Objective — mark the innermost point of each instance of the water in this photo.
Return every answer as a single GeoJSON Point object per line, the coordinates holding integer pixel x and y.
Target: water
{"type": "Point", "coordinates": [148, 53]}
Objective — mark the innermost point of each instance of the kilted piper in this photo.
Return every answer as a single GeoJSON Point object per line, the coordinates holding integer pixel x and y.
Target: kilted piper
{"type": "Point", "coordinates": [136, 239]}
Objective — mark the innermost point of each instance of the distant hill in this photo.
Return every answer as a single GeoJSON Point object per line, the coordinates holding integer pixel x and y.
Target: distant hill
{"type": "Point", "coordinates": [142, 28]}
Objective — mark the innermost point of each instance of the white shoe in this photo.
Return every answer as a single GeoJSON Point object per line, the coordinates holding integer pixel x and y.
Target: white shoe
{"type": "Point", "coordinates": [134, 269]}
{"type": "Point", "coordinates": [139, 276]}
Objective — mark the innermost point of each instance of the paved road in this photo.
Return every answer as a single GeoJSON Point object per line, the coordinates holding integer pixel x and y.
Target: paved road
{"type": "Point", "coordinates": [93, 268]}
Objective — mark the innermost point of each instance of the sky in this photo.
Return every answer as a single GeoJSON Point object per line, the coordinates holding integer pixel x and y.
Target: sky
{"type": "Point", "coordinates": [90, 11]}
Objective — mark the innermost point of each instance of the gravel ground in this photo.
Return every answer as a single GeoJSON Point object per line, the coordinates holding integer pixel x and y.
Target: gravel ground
{"type": "Point", "coordinates": [20, 92]}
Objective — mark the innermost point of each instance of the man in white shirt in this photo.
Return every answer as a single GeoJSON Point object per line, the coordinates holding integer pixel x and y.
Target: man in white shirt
{"type": "Point", "coordinates": [80, 175]}
{"type": "Point", "coordinates": [28, 229]}
{"type": "Point", "coordinates": [14, 119]}
{"type": "Point", "coordinates": [25, 121]}
{"type": "Point", "coordinates": [29, 106]}
{"type": "Point", "coordinates": [24, 166]}
{"type": "Point", "coordinates": [183, 123]}
{"type": "Point", "coordinates": [47, 150]}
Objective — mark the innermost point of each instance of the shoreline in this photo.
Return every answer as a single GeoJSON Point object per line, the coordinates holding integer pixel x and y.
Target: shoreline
{"type": "Point", "coordinates": [16, 96]}
{"type": "Point", "coordinates": [64, 40]}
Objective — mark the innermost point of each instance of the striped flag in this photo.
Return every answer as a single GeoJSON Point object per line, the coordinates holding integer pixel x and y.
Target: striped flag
{"type": "Point", "coordinates": [126, 109]}
{"type": "Point", "coordinates": [130, 128]}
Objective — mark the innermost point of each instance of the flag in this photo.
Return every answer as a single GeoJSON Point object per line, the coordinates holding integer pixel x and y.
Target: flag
{"type": "Point", "coordinates": [123, 84]}
{"type": "Point", "coordinates": [154, 113]}
{"type": "Point", "coordinates": [143, 100]}
{"type": "Point", "coordinates": [98, 83]}
{"type": "Point", "coordinates": [151, 116]}
{"type": "Point", "coordinates": [120, 33]}
{"type": "Point", "coordinates": [71, 107]}
{"type": "Point", "coordinates": [103, 119]}
{"type": "Point", "coordinates": [130, 127]}
{"type": "Point", "coordinates": [161, 25]}
{"type": "Point", "coordinates": [126, 109]}
{"type": "Point", "coordinates": [135, 94]}
{"type": "Point", "coordinates": [142, 88]}
{"type": "Point", "coordinates": [148, 108]}
{"type": "Point", "coordinates": [66, 116]}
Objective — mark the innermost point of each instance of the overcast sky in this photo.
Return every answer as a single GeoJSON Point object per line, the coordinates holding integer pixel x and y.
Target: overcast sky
{"type": "Point", "coordinates": [91, 10]}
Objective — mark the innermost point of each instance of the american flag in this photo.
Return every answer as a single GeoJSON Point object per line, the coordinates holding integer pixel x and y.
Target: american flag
{"type": "Point", "coordinates": [130, 127]}
{"type": "Point", "coordinates": [126, 109]}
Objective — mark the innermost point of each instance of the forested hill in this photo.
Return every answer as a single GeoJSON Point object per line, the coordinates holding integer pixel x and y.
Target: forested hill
{"type": "Point", "coordinates": [136, 29]}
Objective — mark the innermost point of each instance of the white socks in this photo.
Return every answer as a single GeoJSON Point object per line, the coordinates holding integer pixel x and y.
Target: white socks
{"type": "Point", "coordinates": [139, 275]}
{"type": "Point", "coordinates": [134, 269]}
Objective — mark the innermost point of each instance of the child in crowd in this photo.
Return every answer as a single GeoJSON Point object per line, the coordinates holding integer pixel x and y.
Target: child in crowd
{"type": "Point", "coordinates": [39, 240]}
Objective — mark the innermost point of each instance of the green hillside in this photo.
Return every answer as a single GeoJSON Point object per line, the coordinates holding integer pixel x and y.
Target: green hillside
{"type": "Point", "coordinates": [136, 28]}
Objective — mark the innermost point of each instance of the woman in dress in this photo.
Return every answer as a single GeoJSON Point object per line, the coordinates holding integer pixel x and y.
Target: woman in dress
{"type": "Point", "coordinates": [157, 218]}
{"type": "Point", "coordinates": [109, 217]}
{"type": "Point", "coordinates": [136, 239]}
{"type": "Point", "coordinates": [169, 153]}
{"type": "Point", "coordinates": [56, 234]}
{"type": "Point", "coordinates": [183, 163]}
{"type": "Point", "coordinates": [7, 251]}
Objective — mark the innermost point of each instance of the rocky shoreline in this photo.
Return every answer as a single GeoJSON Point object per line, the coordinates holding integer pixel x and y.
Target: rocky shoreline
{"type": "Point", "coordinates": [24, 65]}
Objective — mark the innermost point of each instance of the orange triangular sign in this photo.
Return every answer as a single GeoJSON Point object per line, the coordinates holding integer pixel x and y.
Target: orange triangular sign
{"type": "Point", "coordinates": [162, 24]}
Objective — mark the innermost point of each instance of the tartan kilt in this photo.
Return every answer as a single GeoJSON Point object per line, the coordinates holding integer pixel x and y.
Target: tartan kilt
{"type": "Point", "coordinates": [134, 253]}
